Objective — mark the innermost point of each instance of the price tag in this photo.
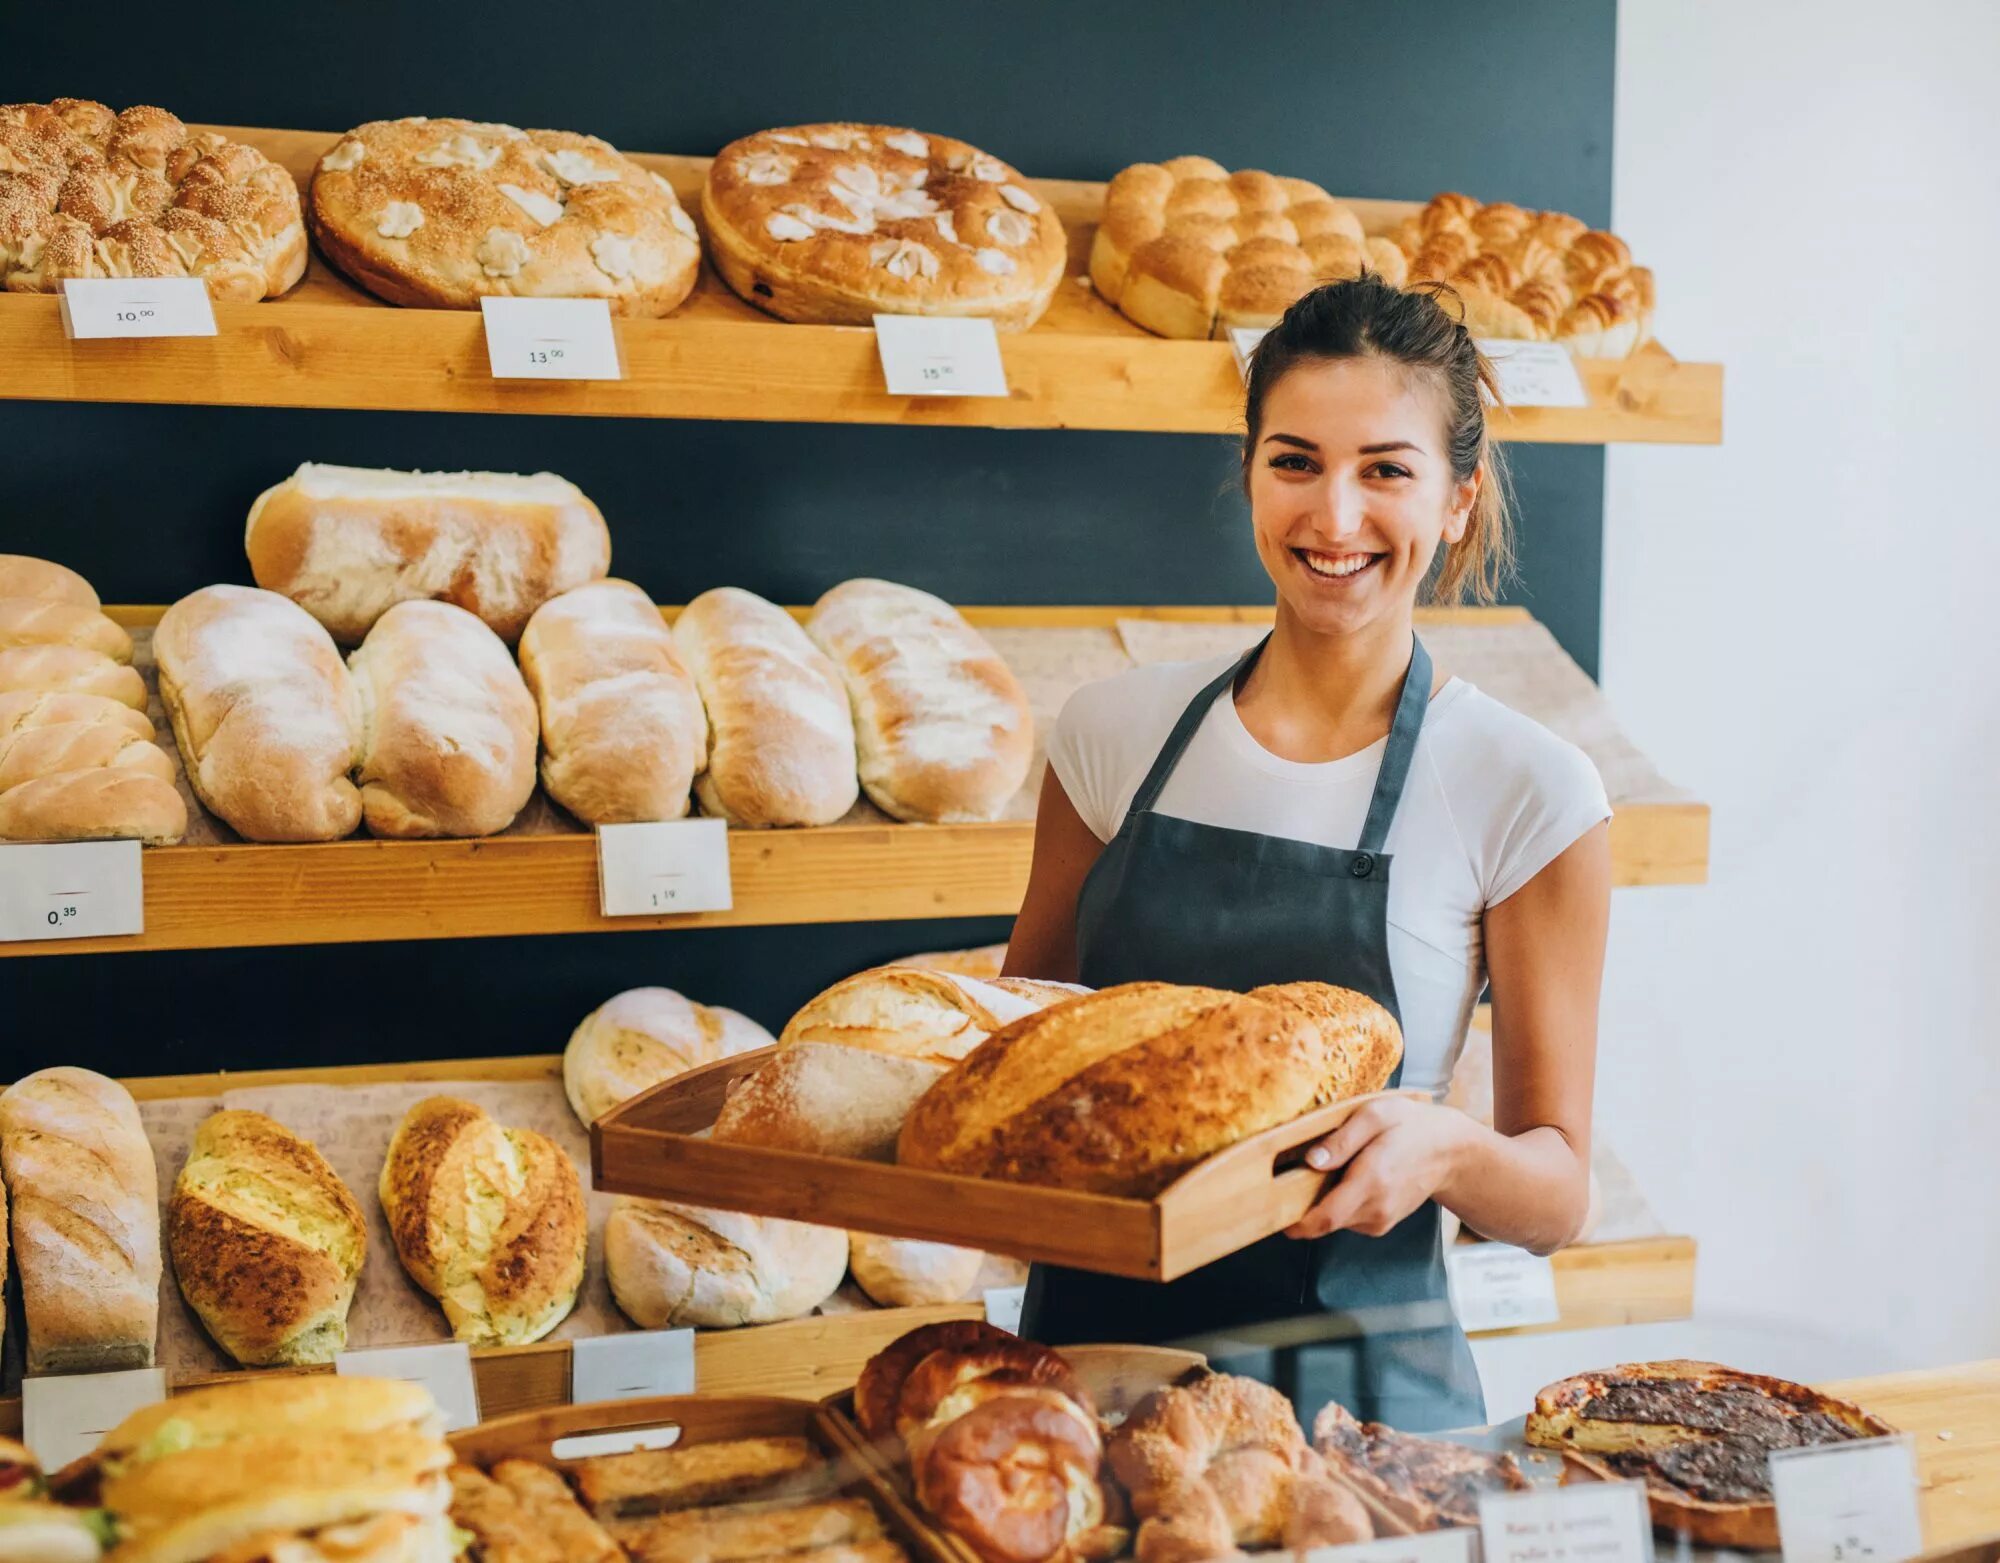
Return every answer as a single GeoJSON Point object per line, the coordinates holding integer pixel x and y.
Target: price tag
{"type": "Point", "coordinates": [1495, 1286]}
{"type": "Point", "coordinates": [70, 890]}
{"type": "Point", "coordinates": [444, 1369]}
{"type": "Point", "coordinates": [677, 865]}
{"type": "Point", "coordinates": [1535, 374]}
{"type": "Point", "coordinates": [1592, 1522]}
{"type": "Point", "coordinates": [631, 1367]}
{"type": "Point", "coordinates": [1004, 1305]}
{"type": "Point", "coordinates": [1243, 341]}
{"type": "Point", "coordinates": [550, 339]}
{"type": "Point", "coordinates": [924, 355]}
{"type": "Point", "coordinates": [94, 307]}
{"type": "Point", "coordinates": [63, 1416]}
{"type": "Point", "coordinates": [1844, 1502]}
{"type": "Point", "coordinates": [1431, 1546]}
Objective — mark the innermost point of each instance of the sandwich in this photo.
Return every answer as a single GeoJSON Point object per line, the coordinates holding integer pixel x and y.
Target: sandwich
{"type": "Point", "coordinates": [35, 1530]}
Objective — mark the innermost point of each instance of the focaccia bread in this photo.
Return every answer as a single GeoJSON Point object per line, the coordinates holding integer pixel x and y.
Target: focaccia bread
{"type": "Point", "coordinates": [942, 727]}
{"type": "Point", "coordinates": [780, 732]}
{"type": "Point", "coordinates": [636, 1039]}
{"type": "Point", "coordinates": [349, 543]}
{"type": "Point", "coordinates": [834, 224]}
{"type": "Point", "coordinates": [448, 729]}
{"type": "Point", "coordinates": [1698, 1434]}
{"type": "Point", "coordinates": [1187, 249]}
{"type": "Point", "coordinates": [623, 730]}
{"type": "Point", "coordinates": [264, 713]}
{"type": "Point", "coordinates": [441, 213]}
{"type": "Point", "coordinates": [85, 192]}
{"type": "Point", "coordinates": [1124, 1090]}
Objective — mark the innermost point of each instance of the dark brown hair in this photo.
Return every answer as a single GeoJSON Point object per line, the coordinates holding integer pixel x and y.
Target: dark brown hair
{"type": "Point", "coordinates": [1365, 317]}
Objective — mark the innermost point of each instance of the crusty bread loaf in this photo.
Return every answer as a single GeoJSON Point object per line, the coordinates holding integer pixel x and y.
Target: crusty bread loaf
{"type": "Point", "coordinates": [28, 708]}
{"type": "Point", "coordinates": [638, 1038]}
{"type": "Point", "coordinates": [70, 670]}
{"type": "Point", "coordinates": [1122, 1091]}
{"type": "Point", "coordinates": [23, 575]}
{"type": "Point", "coordinates": [117, 803]}
{"type": "Point", "coordinates": [854, 1060]}
{"type": "Point", "coordinates": [488, 1220]}
{"type": "Point", "coordinates": [264, 713]}
{"type": "Point", "coordinates": [86, 1221]}
{"type": "Point", "coordinates": [942, 729]}
{"type": "Point", "coordinates": [349, 543]}
{"type": "Point", "coordinates": [780, 732]}
{"type": "Point", "coordinates": [902, 1272]}
{"type": "Point", "coordinates": [671, 1265]}
{"type": "Point", "coordinates": [33, 752]}
{"type": "Point", "coordinates": [623, 733]}
{"type": "Point", "coordinates": [266, 1241]}
{"type": "Point", "coordinates": [38, 621]}
{"type": "Point", "coordinates": [447, 727]}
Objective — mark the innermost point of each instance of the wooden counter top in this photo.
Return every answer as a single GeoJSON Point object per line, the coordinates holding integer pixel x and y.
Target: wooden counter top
{"type": "Point", "coordinates": [1961, 1471]}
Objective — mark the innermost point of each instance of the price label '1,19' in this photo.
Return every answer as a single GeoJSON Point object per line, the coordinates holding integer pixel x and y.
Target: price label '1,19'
{"type": "Point", "coordinates": [70, 890]}
{"type": "Point", "coordinates": [668, 866]}
{"type": "Point", "coordinates": [925, 355]}
{"type": "Point", "coordinates": [1495, 1286]}
{"type": "Point", "coordinates": [1848, 1503]}
{"type": "Point", "coordinates": [96, 307]}
{"type": "Point", "coordinates": [550, 339]}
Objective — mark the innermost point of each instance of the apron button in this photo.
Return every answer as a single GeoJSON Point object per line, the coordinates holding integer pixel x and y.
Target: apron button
{"type": "Point", "coordinates": [1362, 866]}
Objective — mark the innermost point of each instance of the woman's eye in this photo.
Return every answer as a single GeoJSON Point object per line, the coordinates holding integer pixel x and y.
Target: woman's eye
{"type": "Point", "coordinates": [1389, 469]}
{"type": "Point", "coordinates": [1292, 463]}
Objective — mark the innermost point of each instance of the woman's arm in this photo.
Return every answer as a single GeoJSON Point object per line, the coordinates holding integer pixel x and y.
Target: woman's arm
{"type": "Point", "coordinates": [1044, 939]}
{"type": "Point", "coordinates": [1527, 1179]}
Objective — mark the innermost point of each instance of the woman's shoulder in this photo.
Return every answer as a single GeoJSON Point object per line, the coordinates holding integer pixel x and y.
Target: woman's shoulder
{"type": "Point", "coordinates": [1483, 736]}
{"type": "Point", "coordinates": [1149, 695]}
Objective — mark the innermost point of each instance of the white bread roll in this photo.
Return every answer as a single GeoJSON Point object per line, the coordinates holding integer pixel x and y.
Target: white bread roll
{"type": "Point", "coordinates": [853, 1061]}
{"type": "Point", "coordinates": [113, 804]}
{"type": "Point", "coordinates": [86, 1219]}
{"type": "Point", "coordinates": [70, 670]}
{"type": "Point", "coordinates": [902, 1272]}
{"type": "Point", "coordinates": [38, 621]}
{"type": "Point", "coordinates": [264, 713]}
{"type": "Point", "coordinates": [34, 708]}
{"type": "Point", "coordinates": [447, 727]}
{"type": "Point", "coordinates": [780, 732]}
{"type": "Point", "coordinates": [22, 575]}
{"type": "Point", "coordinates": [672, 1265]}
{"type": "Point", "coordinates": [942, 728]}
{"type": "Point", "coordinates": [638, 1038]}
{"type": "Point", "coordinates": [623, 733]}
{"type": "Point", "coordinates": [34, 752]}
{"type": "Point", "coordinates": [349, 543]}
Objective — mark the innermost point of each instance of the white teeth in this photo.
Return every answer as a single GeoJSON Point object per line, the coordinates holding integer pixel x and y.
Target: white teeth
{"type": "Point", "coordinates": [1328, 564]}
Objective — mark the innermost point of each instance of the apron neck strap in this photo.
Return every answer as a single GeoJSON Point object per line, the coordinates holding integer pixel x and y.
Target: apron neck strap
{"type": "Point", "coordinates": [1400, 751]}
{"type": "Point", "coordinates": [1184, 730]}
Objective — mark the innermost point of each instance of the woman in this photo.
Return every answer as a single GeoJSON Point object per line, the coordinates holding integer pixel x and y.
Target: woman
{"type": "Point", "coordinates": [1331, 807]}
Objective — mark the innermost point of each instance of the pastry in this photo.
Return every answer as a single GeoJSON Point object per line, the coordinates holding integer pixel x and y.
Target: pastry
{"type": "Point", "coordinates": [780, 733]}
{"type": "Point", "coordinates": [349, 543]}
{"type": "Point", "coordinates": [1075, 1096]}
{"type": "Point", "coordinates": [1016, 1478]}
{"type": "Point", "coordinates": [878, 1391]}
{"type": "Point", "coordinates": [1187, 249]}
{"type": "Point", "coordinates": [440, 213]}
{"type": "Point", "coordinates": [834, 224]}
{"type": "Point", "coordinates": [643, 1036]}
{"type": "Point", "coordinates": [671, 1265]}
{"type": "Point", "coordinates": [545, 1499]}
{"type": "Point", "coordinates": [694, 1476]}
{"type": "Point", "coordinates": [623, 731]}
{"type": "Point", "coordinates": [85, 192]}
{"type": "Point", "coordinates": [942, 728]}
{"type": "Point", "coordinates": [1421, 1483]}
{"type": "Point", "coordinates": [767, 1532]}
{"type": "Point", "coordinates": [490, 1221]}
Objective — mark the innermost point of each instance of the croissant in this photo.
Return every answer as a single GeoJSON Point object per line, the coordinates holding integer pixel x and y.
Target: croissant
{"type": "Point", "coordinates": [1489, 272]}
{"type": "Point", "coordinates": [1443, 253]}
{"type": "Point", "coordinates": [1595, 255]}
{"type": "Point", "coordinates": [1388, 262]}
{"type": "Point", "coordinates": [1501, 223]}
{"type": "Point", "coordinates": [1537, 260]}
{"type": "Point", "coordinates": [1448, 209]}
{"type": "Point", "coordinates": [1599, 326]}
{"type": "Point", "coordinates": [1544, 304]}
{"type": "Point", "coordinates": [1558, 229]}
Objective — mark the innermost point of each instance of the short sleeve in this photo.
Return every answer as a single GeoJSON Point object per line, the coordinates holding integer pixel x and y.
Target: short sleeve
{"type": "Point", "coordinates": [1557, 796]}
{"type": "Point", "coordinates": [1083, 753]}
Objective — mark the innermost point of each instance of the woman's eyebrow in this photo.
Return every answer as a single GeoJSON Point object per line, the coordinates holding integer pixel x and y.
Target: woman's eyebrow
{"type": "Point", "coordinates": [1291, 439]}
{"type": "Point", "coordinates": [1389, 445]}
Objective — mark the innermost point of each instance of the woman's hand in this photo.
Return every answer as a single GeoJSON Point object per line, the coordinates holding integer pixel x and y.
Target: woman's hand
{"type": "Point", "coordinates": [1397, 1152]}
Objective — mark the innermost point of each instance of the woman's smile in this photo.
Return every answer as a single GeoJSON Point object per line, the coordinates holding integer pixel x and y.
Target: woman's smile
{"type": "Point", "coordinates": [1340, 568]}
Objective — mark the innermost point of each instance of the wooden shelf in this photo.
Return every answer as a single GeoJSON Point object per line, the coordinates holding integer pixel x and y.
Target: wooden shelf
{"type": "Point", "coordinates": [1648, 1280]}
{"type": "Point", "coordinates": [541, 878]}
{"type": "Point", "coordinates": [1084, 366]}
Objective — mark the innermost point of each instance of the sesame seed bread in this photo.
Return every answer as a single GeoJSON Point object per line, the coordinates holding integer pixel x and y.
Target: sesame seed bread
{"type": "Point", "coordinates": [440, 213]}
{"type": "Point", "coordinates": [832, 224]}
{"type": "Point", "coordinates": [85, 192]}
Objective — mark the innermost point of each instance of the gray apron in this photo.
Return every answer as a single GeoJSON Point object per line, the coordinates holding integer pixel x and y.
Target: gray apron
{"type": "Point", "coordinates": [1365, 1321]}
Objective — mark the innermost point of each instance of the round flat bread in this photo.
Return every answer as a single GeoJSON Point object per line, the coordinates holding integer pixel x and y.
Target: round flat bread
{"type": "Point", "coordinates": [85, 192]}
{"type": "Point", "coordinates": [833, 224]}
{"type": "Point", "coordinates": [440, 213]}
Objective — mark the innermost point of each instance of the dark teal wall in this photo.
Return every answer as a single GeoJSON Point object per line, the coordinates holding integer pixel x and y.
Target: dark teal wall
{"type": "Point", "coordinates": [1369, 100]}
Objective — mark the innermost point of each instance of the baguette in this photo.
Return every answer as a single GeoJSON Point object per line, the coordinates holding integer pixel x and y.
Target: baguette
{"type": "Point", "coordinates": [79, 746]}
{"type": "Point", "coordinates": [349, 543]}
{"type": "Point", "coordinates": [942, 728]}
{"type": "Point", "coordinates": [114, 804]}
{"type": "Point", "coordinates": [57, 670]}
{"type": "Point", "coordinates": [780, 731]}
{"type": "Point", "coordinates": [22, 575]}
{"type": "Point", "coordinates": [264, 713]}
{"type": "Point", "coordinates": [28, 708]}
{"type": "Point", "coordinates": [623, 732]}
{"type": "Point", "coordinates": [37, 621]}
{"type": "Point", "coordinates": [86, 1221]}
{"type": "Point", "coordinates": [448, 728]}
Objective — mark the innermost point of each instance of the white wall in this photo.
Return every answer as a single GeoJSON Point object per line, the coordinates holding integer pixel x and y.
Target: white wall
{"type": "Point", "coordinates": [1802, 1060]}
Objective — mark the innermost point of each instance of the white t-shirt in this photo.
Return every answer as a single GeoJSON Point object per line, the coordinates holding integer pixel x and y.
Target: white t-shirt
{"type": "Point", "coordinates": [1492, 797]}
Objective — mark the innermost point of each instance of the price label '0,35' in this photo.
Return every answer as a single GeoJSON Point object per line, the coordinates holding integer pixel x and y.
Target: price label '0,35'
{"type": "Point", "coordinates": [1495, 1286]}
{"type": "Point", "coordinates": [550, 339]}
{"type": "Point", "coordinates": [668, 866]}
{"type": "Point", "coordinates": [70, 890]}
{"type": "Point", "coordinates": [926, 355]}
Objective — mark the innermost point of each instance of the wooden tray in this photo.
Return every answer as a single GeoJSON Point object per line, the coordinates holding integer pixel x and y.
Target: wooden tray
{"type": "Point", "coordinates": [649, 1146]}
{"type": "Point", "coordinates": [697, 1419]}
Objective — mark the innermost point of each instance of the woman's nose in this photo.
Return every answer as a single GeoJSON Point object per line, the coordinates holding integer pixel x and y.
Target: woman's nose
{"type": "Point", "coordinates": [1340, 509]}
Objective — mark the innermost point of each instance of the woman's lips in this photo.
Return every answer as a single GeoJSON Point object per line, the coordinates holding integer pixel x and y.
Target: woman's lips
{"type": "Point", "coordinates": [1336, 567]}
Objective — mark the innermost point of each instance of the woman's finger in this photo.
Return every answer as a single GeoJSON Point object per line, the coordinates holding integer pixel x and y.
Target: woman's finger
{"type": "Point", "coordinates": [1346, 1142]}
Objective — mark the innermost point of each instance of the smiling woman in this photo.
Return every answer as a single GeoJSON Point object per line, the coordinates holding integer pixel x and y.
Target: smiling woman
{"type": "Point", "coordinates": [1234, 823]}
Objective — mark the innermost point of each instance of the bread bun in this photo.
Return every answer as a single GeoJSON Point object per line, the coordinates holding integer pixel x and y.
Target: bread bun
{"type": "Point", "coordinates": [879, 1387]}
{"type": "Point", "coordinates": [23, 575]}
{"type": "Point", "coordinates": [70, 670]}
{"type": "Point", "coordinates": [639, 1038]}
{"type": "Point", "coordinates": [114, 803]}
{"type": "Point", "coordinates": [671, 1265]}
{"type": "Point", "coordinates": [901, 1272]}
{"type": "Point", "coordinates": [38, 621]}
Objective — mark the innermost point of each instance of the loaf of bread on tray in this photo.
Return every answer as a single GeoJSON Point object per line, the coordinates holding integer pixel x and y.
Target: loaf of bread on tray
{"type": "Point", "coordinates": [77, 670]}
{"type": "Point", "coordinates": [23, 575]}
{"type": "Point", "coordinates": [672, 1265]}
{"type": "Point", "coordinates": [623, 732]}
{"type": "Point", "coordinates": [264, 713]}
{"type": "Point", "coordinates": [636, 1039]}
{"type": "Point", "coordinates": [349, 543]}
{"type": "Point", "coordinates": [40, 621]}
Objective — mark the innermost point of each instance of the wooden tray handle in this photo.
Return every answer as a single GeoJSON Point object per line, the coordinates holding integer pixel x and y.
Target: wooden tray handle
{"type": "Point", "coordinates": [533, 1434]}
{"type": "Point", "coordinates": [1263, 1156]}
{"type": "Point", "coordinates": [689, 1102]}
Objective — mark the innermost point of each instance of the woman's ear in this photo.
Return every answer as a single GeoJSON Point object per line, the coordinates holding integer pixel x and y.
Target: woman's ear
{"type": "Point", "coordinates": [1463, 497]}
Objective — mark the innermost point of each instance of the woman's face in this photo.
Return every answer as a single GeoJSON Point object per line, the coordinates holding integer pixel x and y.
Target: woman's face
{"type": "Point", "coordinates": [1351, 490]}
